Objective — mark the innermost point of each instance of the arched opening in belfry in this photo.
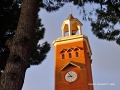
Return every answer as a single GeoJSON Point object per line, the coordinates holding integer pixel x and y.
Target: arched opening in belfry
{"type": "Point", "coordinates": [66, 33]}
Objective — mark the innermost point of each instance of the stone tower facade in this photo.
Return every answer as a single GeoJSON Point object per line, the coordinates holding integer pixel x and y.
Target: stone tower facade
{"type": "Point", "coordinates": [72, 58]}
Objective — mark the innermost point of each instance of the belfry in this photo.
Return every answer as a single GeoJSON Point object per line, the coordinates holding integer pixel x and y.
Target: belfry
{"type": "Point", "coordinates": [72, 57]}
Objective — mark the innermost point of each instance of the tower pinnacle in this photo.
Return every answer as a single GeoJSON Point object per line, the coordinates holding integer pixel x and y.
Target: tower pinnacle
{"type": "Point", "coordinates": [71, 25]}
{"type": "Point", "coordinates": [70, 10]}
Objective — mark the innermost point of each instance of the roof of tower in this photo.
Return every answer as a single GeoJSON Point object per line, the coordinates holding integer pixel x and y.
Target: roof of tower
{"type": "Point", "coordinates": [70, 17]}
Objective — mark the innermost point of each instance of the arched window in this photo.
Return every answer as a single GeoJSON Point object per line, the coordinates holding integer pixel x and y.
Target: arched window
{"type": "Point", "coordinates": [63, 56]}
{"type": "Point", "coordinates": [76, 54]}
{"type": "Point", "coordinates": [70, 55]}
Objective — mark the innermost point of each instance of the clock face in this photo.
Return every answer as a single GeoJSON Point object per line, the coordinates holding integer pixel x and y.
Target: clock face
{"type": "Point", "coordinates": [71, 76]}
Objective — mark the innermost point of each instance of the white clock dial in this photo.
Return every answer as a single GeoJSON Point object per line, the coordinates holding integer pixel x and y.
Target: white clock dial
{"type": "Point", "coordinates": [71, 76]}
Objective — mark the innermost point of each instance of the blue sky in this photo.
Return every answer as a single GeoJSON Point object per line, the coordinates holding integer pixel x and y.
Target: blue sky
{"type": "Point", "coordinates": [106, 55]}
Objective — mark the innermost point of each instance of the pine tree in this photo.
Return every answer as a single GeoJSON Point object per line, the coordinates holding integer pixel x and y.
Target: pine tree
{"type": "Point", "coordinates": [20, 46]}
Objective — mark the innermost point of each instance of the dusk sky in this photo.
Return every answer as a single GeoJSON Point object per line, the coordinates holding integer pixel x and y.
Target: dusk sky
{"type": "Point", "coordinates": [105, 55]}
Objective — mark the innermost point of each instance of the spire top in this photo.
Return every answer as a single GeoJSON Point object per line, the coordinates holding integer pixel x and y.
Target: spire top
{"type": "Point", "coordinates": [70, 17]}
{"type": "Point", "coordinates": [70, 10]}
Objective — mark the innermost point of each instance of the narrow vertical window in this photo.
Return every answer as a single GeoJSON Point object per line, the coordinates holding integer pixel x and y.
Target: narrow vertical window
{"type": "Point", "coordinates": [70, 55]}
{"type": "Point", "coordinates": [76, 54]}
{"type": "Point", "coordinates": [63, 56]}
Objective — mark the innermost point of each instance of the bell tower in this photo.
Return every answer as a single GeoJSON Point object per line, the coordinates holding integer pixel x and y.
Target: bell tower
{"type": "Point", "coordinates": [72, 55]}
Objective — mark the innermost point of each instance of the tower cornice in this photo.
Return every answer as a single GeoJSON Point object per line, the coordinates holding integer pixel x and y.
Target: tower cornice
{"type": "Point", "coordinates": [74, 38]}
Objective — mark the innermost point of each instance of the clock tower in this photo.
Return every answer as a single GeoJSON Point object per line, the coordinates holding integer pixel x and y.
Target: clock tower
{"type": "Point", "coordinates": [72, 58]}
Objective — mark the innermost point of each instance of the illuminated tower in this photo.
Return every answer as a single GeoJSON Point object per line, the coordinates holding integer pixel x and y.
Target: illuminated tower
{"type": "Point", "coordinates": [72, 58]}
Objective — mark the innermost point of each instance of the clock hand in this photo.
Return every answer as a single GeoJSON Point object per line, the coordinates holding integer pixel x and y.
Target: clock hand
{"type": "Point", "coordinates": [69, 75]}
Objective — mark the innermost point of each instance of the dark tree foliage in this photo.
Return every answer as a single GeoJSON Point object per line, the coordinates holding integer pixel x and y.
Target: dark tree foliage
{"type": "Point", "coordinates": [106, 26]}
{"type": "Point", "coordinates": [9, 16]}
{"type": "Point", "coordinates": [108, 18]}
